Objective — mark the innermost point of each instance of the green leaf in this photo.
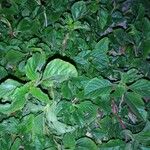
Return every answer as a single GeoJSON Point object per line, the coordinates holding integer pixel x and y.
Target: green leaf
{"type": "Point", "coordinates": [85, 144]}
{"type": "Point", "coordinates": [39, 94]}
{"type": "Point", "coordinates": [99, 54]}
{"type": "Point", "coordinates": [58, 71]}
{"type": "Point", "coordinates": [119, 90]}
{"type": "Point", "coordinates": [34, 65]}
{"type": "Point", "coordinates": [97, 87]}
{"type": "Point", "coordinates": [136, 104]}
{"type": "Point", "coordinates": [66, 90]}
{"type": "Point", "coordinates": [16, 144]}
{"type": "Point", "coordinates": [102, 45]}
{"type": "Point", "coordinates": [113, 145]}
{"type": "Point", "coordinates": [14, 56]}
{"type": "Point", "coordinates": [130, 76]}
{"type": "Point", "coordinates": [86, 112]}
{"type": "Point", "coordinates": [69, 141]}
{"type": "Point", "coordinates": [144, 136]}
{"type": "Point", "coordinates": [136, 99]}
{"type": "Point", "coordinates": [55, 125]}
{"type": "Point", "coordinates": [18, 100]}
{"type": "Point", "coordinates": [32, 124]}
{"type": "Point", "coordinates": [102, 17]}
{"type": "Point", "coordinates": [7, 87]}
{"type": "Point", "coordinates": [132, 105]}
{"type": "Point", "coordinates": [3, 72]}
{"type": "Point", "coordinates": [146, 48]}
{"type": "Point", "coordinates": [141, 87]}
{"type": "Point", "coordinates": [78, 10]}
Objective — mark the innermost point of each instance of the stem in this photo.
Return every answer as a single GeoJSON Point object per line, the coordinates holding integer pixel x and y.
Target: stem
{"type": "Point", "coordinates": [45, 17]}
{"type": "Point", "coordinates": [64, 43]}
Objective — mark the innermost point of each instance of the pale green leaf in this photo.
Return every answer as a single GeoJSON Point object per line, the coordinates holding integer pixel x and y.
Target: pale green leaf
{"type": "Point", "coordinates": [58, 71]}
{"type": "Point", "coordinates": [7, 87]}
{"type": "Point", "coordinates": [18, 100]}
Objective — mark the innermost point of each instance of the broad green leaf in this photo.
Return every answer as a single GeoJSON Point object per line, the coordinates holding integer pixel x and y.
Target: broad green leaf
{"type": "Point", "coordinates": [9, 125]}
{"type": "Point", "coordinates": [130, 76]}
{"type": "Point", "coordinates": [60, 127]}
{"type": "Point", "coordinates": [55, 125]}
{"type": "Point", "coordinates": [39, 94]}
{"type": "Point", "coordinates": [113, 145]}
{"type": "Point", "coordinates": [136, 99]}
{"type": "Point", "coordinates": [16, 144]}
{"type": "Point", "coordinates": [78, 10]}
{"type": "Point", "coordinates": [132, 106]}
{"type": "Point", "coordinates": [69, 141]}
{"type": "Point", "coordinates": [18, 100]}
{"type": "Point", "coordinates": [99, 54]}
{"type": "Point", "coordinates": [146, 47]}
{"type": "Point", "coordinates": [85, 144]}
{"type": "Point", "coordinates": [3, 72]}
{"type": "Point", "coordinates": [34, 65]}
{"type": "Point", "coordinates": [24, 25]}
{"type": "Point", "coordinates": [146, 27]}
{"type": "Point", "coordinates": [141, 87]}
{"type": "Point", "coordinates": [58, 71]}
{"type": "Point", "coordinates": [32, 124]}
{"type": "Point", "coordinates": [66, 90]}
{"type": "Point", "coordinates": [7, 87]}
{"type": "Point", "coordinates": [100, 59]}
{"type": "Point", "coordinates": [144, 136]}
{"type": "Point", "coordinates": [14, 56]}
{"type": "Point", "coordinates": [102, 45]}
{"type": "Point", "coordinates": [85, 112]}
{"type": "Point", "coordinates": [119, 90]}
{"type": "Point", "coordinates": [102, 17]}
{"type": "Point", "coordinates": [96, 87]}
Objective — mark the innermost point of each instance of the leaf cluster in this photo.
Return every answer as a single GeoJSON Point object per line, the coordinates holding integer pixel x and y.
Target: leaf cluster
{"type": "Point", "coordinates": [74, 75]}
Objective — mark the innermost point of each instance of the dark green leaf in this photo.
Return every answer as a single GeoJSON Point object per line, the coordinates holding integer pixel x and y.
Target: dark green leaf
{"type": "Point", "coordinates": [85, 144]}
{"type": "Point", "coordinates": [34, 65]}
{"type": "Point", "coordinates": [97, 87]}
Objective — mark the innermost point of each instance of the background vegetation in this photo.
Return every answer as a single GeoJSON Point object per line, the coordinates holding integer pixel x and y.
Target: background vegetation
{"type": "Point", "coordinates": [74, 75]}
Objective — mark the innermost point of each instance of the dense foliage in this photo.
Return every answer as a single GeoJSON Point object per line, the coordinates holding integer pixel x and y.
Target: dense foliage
{"type": "Point", "coordinates": [74, 75]}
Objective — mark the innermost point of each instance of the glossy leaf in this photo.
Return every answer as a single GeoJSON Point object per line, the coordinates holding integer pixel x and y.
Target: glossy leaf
{"type": "Point", "coordinates": [58, 71]}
